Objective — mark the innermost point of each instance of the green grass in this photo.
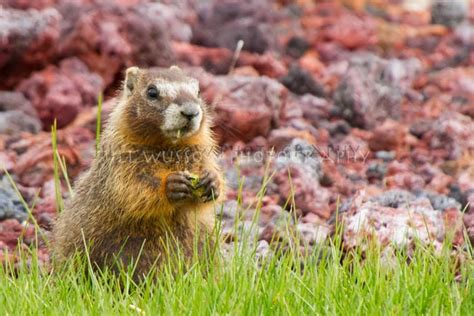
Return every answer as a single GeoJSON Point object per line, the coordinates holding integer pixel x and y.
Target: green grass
{"type": "Point", "coordinates": [325, 281]}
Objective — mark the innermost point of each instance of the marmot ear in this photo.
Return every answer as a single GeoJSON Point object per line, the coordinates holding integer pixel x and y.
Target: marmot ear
{"type": "Point", "coordinates": [131, 77]}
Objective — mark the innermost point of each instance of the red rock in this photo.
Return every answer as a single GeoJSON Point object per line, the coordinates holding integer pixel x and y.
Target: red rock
{"type": "Point", "coordinates": [98, 40]}
{"type": "Point", "coordinates": [246, 71]}
{"type": "Point", "coordinates": [266, 64]}
{"type": "Point", "coordinates": [388, 136]}
{"type": "Point", "coordinates": [246, 107]}
{"type": "Point", "coordinates": [28, 41]}
{"type": "Point", "coordinates": [61, 92]}
{"type": "Point", "coordinates": [35, 165]}
{"type": "Point", "coordinates": [110, 36]}
{"type": "Point", "coordinates": [27, 4]}
{"type": "Point", "coordinates": [352, 32]}
{"type": "Point", "coordinates": [213, 59]}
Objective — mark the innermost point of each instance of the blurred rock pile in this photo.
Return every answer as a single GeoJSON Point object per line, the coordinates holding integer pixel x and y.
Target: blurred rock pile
{"type": "Point", "coordinates": [361, 108]}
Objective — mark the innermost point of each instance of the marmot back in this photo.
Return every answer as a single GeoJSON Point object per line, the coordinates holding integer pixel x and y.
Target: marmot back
{"type": "Point", "coordinates": [154, 178]}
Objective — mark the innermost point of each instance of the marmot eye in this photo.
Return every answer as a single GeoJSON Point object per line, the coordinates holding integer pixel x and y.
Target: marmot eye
{"type": "Point", "coordinates": [152, 92]}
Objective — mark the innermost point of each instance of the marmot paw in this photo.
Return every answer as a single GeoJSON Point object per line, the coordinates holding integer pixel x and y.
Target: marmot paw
{"type": "Point", "coordinates": [210, 185]}
{"type": "Point", "coordinates": [179, 187]}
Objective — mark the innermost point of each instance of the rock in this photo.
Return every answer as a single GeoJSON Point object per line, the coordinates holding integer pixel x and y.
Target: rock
{"type": "Point", "coordinates": [404, 180]}
{"type": "Point", "coordinates": [282, 137]}
{"type": "Point", "coordinates": [61, 92]}
{"type": "Point", "coordinates": [390, 135]}
{"type": "Point", "coordinates": [17, 114]}
{"type": "Point", "coordinates": [297, 46]}
{"type": "Point", "coordinates": [385, 155]}
{"type": "Point", "coordinates": [376, 171]}
{"type": "Point", "coordinates": [34, 166]}
{"type": "Point", "coordinates": [26, 4]}
{"type": "Point", "coordinates": [110, 36]}
{"type": "Point", "coordinates": [213, 59]}
{"type": "Point", "coordinates": [10, 231]}
{"type": "Point", "coordinates": [314, 110]}
{"type": "Point", "coordinates": [247, 107]}
{"type": "Point", "coordinates": [352, 32]}
{"type": "Point", "coordinates": [28, 40]}
{"type": "Point", "coordinates": [218, 60]}
{"type": "Point", "coordinates": [301, 82]}
{"type": "Point", "coordinates": [449, 13]}
{"type": "Point", "coordinates": [13, 122]}
{"type": "Point", "coordinates": [469, 224]}
{"type": "Point", "coordinates": [95, 36]}
{"type": "Point", "coordinates": [298, 171]}
{"type": "Point", "coordinates": [313, 234]}
{"type": "Point", "coordinates": [265, 64]}
{"type": "Point", "coordinates": [438, 201]}
{"type": "Point", "coordinates": [263, 251]}
{"type": "Point", "coordinates": [224, 23]}
{"type": "Point", "coordinates": [398, 220]}
{"type": "Point", "coordinates": [372, 90]}
{"type": "Point", "coordinates": [10, 203]}
{"type": "Point", "coordinates": [148, 26]}
{"type": "Point", "coordinates": [452, 135]}
{"type": "Point", "coordinates": [15, 101]}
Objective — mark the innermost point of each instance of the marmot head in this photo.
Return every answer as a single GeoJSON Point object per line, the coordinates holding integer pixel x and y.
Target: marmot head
{"type": "Point", "coordinates": [163, 103]}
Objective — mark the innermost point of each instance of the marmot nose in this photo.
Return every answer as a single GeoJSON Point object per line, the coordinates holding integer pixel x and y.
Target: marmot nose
{"type": "Point", "coordinates": [189, 113]}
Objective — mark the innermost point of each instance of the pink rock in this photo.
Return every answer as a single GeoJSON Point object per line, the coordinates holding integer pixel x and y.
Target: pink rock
{"type": "Point", "coordinates": [61, 92]}
{"type": "Point", "coordinates": [405, 180]}
{"type": "Point", "coordinates": [352, 32]}
{"type": "Point", "coordinates": [469, 224]}
{"type": "Point", "coordinates": [224, 23]}
{"type": "Point", "coordinates": [452, 133]}
{"type": "Point", "coordinates": [397, 220]}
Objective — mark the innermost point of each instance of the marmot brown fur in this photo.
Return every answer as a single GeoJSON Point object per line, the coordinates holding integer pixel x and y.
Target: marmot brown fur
{"type": "Point", "coordinates": [141, 190]}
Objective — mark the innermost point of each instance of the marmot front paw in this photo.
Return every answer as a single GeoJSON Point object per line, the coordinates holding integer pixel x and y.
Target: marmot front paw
{"type": "Point", "coordinates": [210, 186]}
{"type": "Point", "coordinates": [179, 188]}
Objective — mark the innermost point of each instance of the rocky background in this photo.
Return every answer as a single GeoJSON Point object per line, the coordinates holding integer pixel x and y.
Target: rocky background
{"type": "Point", "coordinates": [360, 108]}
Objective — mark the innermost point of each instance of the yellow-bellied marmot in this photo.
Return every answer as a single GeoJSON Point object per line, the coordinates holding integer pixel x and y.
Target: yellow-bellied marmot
{"type": "Point", "coordinates": [153, 180]}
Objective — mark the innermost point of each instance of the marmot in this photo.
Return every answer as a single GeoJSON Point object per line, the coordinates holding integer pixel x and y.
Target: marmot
{"type": "Point", "coordinates": [153, 180]}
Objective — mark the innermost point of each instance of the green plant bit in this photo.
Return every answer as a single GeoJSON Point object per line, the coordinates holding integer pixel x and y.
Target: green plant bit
{"type": "Point", "coordinates": [197, 192]}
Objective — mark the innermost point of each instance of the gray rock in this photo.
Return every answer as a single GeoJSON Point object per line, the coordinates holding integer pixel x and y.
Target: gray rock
{"type": "Point", "coordinates": [438, 201]}
{"type": "Point", "coordinates": [373, 88]}
{"type": "Point", "coordinates": [223, 23]}
{"type": "Point", "coordinates": [10, 203]}
{"type": "Point", "coordinates": [449, 12]}
{"type": "Point", "coordinates": [13, 122]}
